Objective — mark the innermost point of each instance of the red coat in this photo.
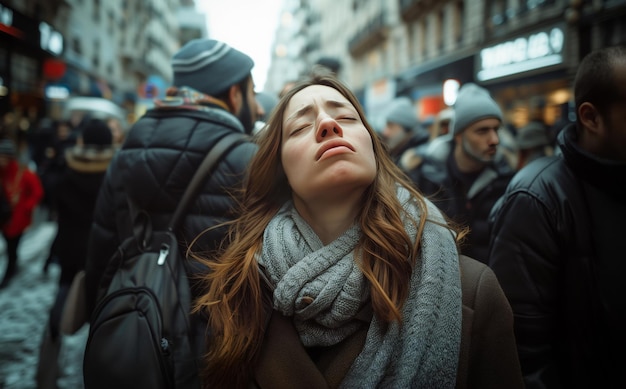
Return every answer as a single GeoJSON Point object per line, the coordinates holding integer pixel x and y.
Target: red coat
{"type": "Point", "coordinates": [24, 189]}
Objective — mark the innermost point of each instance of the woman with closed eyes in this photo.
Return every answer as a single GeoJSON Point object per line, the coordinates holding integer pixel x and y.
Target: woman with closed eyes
{"type": "Point", "coordinates": [339, 273]}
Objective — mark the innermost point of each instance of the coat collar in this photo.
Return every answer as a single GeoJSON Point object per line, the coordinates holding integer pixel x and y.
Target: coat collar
{"type": "Point", "coordinates": [606, 175]}
{"type": "Point", "coordinates": [88, 159]}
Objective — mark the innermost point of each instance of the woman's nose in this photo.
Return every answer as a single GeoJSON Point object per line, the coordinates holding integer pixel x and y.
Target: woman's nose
{"type": "Point", "coordinates": [328, 128]}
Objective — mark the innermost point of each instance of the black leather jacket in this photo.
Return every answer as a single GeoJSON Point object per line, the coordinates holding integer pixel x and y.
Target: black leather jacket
{"type": "Point", "coordinates": [160, 155]}
{"type": "Point", "coordinates": [556, 250]}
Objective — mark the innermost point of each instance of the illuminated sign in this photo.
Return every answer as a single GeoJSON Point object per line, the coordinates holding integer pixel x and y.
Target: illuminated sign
{"type": "Point", "coordinates": [34, 32]}
{"type": "Point", "coordinates": [6, 22]}
{"type": "Point", "coordinates": [450, 91]}
{"type": "Point", "coordinates": [50, 39]}
{"type": "Point", "coordinates": [57, 92]}
{"type": "Point", "coordinates": [6, 15]}
{"type": "Point", "coordinates": [534, 51]}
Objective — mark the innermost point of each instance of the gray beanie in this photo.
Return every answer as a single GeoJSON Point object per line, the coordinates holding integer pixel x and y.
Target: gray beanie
{"type": "Point", "coordinates": [7, 148]}
{"type": "Point", "coordinates": [209, 66]}
{"type": "Point", "coordinates": [402, 112]}
{"type": "Point", "coordinates": [473, 103]}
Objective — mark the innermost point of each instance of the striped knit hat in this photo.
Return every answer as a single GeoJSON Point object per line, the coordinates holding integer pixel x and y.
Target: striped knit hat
{"type": "Point", "coordinates": [209, 66]}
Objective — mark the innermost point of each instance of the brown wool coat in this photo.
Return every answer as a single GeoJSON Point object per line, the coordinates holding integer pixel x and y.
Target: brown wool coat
{"type": "Point", "coordinates": [488, 355]}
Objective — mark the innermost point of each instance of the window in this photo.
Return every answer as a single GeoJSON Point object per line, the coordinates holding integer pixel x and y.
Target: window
{"type": "Point", "coordinates": [458, 20]}
{"type": "Point", "coordinates": [421, 37]}
{"type": "Point", "coordinates": [498, 16]}
{"type": "Point", "coordinates": [23, 72]}
{"type": "Point", "coordinates": [439, 29]}
{"type": "Point", "coordinates": [76, 46]}
{"type": "Point", "coordinates": [96, 11]}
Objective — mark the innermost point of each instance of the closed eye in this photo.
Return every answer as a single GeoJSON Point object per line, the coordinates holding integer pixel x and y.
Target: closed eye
{"type": "Point", "coordinates": [297, 130]}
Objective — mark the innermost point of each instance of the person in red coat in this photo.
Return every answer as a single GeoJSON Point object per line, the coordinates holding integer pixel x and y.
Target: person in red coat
{"type": "Point", "coordinates": [23, 189]}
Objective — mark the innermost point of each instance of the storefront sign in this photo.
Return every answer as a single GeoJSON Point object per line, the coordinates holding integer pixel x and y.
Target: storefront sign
{"type": "Point", "coordinates": [36, 33]}
{"type": "Point", "coordinates": [537, 50]}
{"type": "Point", "coordinates": [50, 39]}
{"type": "Point", "coordinates": [57, 92]}
{"type": "Point", "coordinates": [6, 22]}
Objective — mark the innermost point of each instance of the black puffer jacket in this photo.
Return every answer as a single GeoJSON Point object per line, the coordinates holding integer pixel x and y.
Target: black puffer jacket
{"type": "Point", "coordinates": [158, 159]}
{"type": "Point", "coordinates": [557, 250]}
{"type": "Point", "coordinates": [436, 179]}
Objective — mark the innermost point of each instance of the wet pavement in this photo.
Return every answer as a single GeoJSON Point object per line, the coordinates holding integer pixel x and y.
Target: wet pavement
{"type": "Point", "coordinates": [24, 307]}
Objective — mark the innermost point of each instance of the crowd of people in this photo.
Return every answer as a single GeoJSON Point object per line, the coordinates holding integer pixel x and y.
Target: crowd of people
{"type": "Point", "coordinates": [448, 252]}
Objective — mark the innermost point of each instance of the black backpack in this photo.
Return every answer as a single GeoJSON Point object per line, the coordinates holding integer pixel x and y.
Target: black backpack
{"type": "Point", "coordinates": [140, 334]}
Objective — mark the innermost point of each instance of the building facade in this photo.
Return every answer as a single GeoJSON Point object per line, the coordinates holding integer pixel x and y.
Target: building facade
{"type": "Point", "coordinates": [120, 50]}
{"type": "Point", "coordinates": [31, 46]}
{"type": "Point", "coordinates": [525, 52]}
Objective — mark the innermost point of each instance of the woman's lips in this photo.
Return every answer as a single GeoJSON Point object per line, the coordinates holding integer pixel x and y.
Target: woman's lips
{"type": "Point", "coordinates": [330, 145]}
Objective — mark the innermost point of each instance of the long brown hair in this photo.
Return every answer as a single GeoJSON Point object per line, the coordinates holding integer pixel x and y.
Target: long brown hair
{"type": "Point", "coordinates": [234, 299]}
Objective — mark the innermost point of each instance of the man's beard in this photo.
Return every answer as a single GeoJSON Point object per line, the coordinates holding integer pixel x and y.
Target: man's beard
{"type": "Point", "coordinates": [467, 148]}
{"type": "Point", "coordinates": [245, 117]}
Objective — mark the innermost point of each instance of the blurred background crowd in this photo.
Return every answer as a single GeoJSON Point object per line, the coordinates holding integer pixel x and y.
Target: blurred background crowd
{"type": "Point", "coordinates": [525, 52]}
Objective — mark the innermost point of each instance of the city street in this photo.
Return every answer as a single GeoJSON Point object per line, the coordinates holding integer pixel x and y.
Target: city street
{"type": "Point", "coordinates": [24, 307]}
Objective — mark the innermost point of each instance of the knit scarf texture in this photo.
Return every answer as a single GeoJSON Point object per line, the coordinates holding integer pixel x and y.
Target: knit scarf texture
{"type": "Point", "coordinates": [323, 289]}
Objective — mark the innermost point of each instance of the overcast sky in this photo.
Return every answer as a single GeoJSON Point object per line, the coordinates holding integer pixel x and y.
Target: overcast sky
{"type": "Point", "coordinates": [247, 25]}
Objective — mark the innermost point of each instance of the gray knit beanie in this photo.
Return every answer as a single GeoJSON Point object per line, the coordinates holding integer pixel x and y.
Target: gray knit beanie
{"type": "Point", "coordinates": [473, 103]}
{"type": "Point", "coordinates": [402, 112]}
{"type": "Point", "coordinates": [210, 66]}
{"type": "Point", "coordinates": [7, 148]}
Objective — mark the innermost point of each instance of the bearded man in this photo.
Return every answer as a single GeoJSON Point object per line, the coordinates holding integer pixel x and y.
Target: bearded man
{"type": "Point", "coordinates": [463, 172]}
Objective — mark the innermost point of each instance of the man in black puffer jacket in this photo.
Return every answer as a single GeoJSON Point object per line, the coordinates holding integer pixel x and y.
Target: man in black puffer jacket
{"type": "Point", "coordinates": [557, 242]}
{"type": "Point", "coordinates": [464, 172]}
{"type": "Point", "coordinates": [212, 96]}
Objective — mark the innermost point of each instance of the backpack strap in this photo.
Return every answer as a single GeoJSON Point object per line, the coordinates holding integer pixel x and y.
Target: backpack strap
{"type": "Point", "coordinates": [206, 167]}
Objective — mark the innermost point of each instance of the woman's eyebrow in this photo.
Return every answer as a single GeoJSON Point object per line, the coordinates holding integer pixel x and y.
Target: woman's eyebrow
{"type": "Point", "coordinates": [308, 108]}
{"type": "Point", "coordinates": [301, 112]}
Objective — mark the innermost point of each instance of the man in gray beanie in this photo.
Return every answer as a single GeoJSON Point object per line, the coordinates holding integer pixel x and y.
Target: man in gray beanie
{"type": "Point", "coordinates": [464, 173]}
{"type": "Point", "coordinates": [212, 96]}
{"type": "Point", "coordinates": [402, 133]}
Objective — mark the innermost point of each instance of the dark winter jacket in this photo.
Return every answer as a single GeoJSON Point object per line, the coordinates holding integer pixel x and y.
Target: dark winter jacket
{"type": "Point", "coordinates": [468, 206]}
{"type": "Point", "coordinates": [557, 250]}
{"type": "Point", "coordinates": [153, 168]}
{"type": "Point", "coordinates": [75, 197]}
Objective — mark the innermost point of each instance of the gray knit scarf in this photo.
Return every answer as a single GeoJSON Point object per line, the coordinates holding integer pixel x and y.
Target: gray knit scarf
{"type": "Point", "coordinates": [322, 288]}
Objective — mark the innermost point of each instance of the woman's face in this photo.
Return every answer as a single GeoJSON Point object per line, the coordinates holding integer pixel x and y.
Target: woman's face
{"type": "Point", "coordinates": [326, 149]}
